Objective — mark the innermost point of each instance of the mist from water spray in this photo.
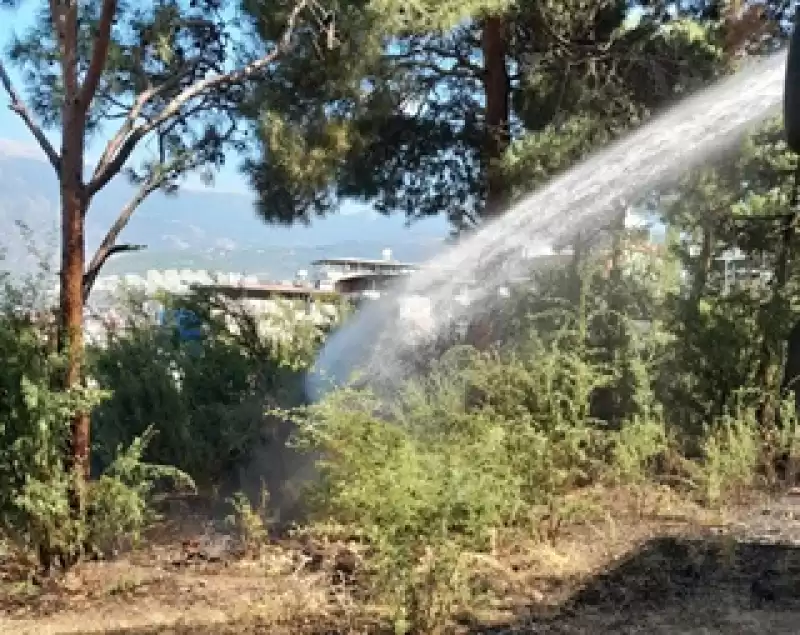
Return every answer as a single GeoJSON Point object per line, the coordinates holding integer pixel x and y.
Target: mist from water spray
{"type": "Point", "coordinates": [373, 343]}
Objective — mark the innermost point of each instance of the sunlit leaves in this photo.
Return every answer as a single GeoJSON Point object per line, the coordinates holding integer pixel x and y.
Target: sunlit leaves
{"type": "Point", "coordinates": [411, 16]}
{"type": "Point", "coordinates": [581, 74]}
{"type": "Point", "coordinates": [158, 48]}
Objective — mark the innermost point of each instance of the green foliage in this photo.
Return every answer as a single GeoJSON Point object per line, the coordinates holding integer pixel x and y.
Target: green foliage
{"type": "Point", "coordinates": [120, 501]}
{"type": "Point", "coordinates": [729, 337]}
{"type": "Point", "coordinates": [250, 523]}
{"type": "Point", "coordinates": [491, 440]}
{"type": "Point", "coordinates": [572, 104]}
{"type": "Point", "coordinates": [36, 486]}
{"type": "Point", "coordinates": [731, 451]}
{"type": "Point", "coordinates": [411, 487]}
{"type": "Point", "coordinates": [118, 507]}
{"type": "Point", "coordinates": [420, 487]}
{"type": "Point", "coordinates": [483, 441]}
{"type": "Point", "coordinates": [206, 401]}
{"type": "Point", "coordinates": [395, 115]}
{"type": "Point", "coordinates": [637, 447]}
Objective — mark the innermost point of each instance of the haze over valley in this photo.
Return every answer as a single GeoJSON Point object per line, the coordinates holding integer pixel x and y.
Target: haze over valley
{"type": "Point", "coordinates": [195, 229]}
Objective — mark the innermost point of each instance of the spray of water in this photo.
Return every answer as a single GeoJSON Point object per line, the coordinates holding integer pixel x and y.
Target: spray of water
{"type": "Point", "coordinates": [373, 343]}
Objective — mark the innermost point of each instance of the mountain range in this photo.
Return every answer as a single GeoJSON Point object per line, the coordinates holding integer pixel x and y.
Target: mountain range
{"type": "Point", "coordinates": [195, 229]}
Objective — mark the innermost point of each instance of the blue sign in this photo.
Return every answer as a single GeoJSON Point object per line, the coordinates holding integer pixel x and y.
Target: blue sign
{"type": "Point", "coordinates": [187, 324]}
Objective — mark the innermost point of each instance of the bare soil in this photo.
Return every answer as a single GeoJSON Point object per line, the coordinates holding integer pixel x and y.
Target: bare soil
{"type": "Point", "coordinates": [666, 568]}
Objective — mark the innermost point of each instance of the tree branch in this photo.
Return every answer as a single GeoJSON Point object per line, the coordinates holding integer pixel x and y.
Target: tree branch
{"type": "Point", "coordinates": [459, 71]}
{"type": "Point", "coordinates": [19, 107]}
{"type": "Point", "coordinates": [462, 59]}
{"type": "Point", "coordinates": [99, 55]}
{"type": "Point", "coordinates": [90, 277]}
{"type": "Point", "coordinates": [112, 147]}
{"type": "Point", "coordinates": [161, 174]}
{"type": "Point", "coordinates": [114, 162]}
{"type": "Point", "coordinates": [108, 247]}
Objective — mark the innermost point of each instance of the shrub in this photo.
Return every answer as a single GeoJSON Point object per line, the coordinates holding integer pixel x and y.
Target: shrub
{"type": "Point", "coordinates": [119, 504]}
{"type": "Point", "coordinates": [487, 440]}
{"type": "Point", "coordinates": [421, 484]}
{"type": "Point", "coordinates": [207, 400]}
{"type": "Point", "coordinates": [37, 514]}
{"type": "Point", "coordinates": [637, 446]}
{"type": "Point", "coordinates": [35, 485]}
{"type": "Point", "coordinates": [731, 453]}
{"type": "Point", "coordinates": [483, 441]}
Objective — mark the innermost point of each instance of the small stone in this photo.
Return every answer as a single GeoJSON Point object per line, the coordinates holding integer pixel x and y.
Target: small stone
{"type": "Point", "coordinates": [314, 558]}
{"type": "Point", "coordinates": [345, 562]}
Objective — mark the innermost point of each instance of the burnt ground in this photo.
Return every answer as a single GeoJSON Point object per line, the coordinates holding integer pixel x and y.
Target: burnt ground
{"type": "Point", "coordinates": [675, 572]}
{"type": "Point", "coordinates": [740, 578]}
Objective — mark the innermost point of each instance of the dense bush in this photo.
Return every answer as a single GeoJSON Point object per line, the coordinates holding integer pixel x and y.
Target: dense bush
{"type": "Point", "coordinates": [569, 395]}
{"type": "Point", "coordinates": [207, 401]}
{"type": "Point", "coordinates": [36, 502]}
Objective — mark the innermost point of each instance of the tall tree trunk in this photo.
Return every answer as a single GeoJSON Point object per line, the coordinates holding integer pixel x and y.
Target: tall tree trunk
{"type": "Point", "coordinates": [73, 206]}
{"type": "Point", "coordinates": [497, 87]}
{"type": "Point", "coordinates": [71, 309]}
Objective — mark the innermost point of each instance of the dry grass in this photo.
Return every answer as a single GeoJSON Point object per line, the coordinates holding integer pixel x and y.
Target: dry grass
{"type": "Point", "coordinates": [123, 595]}
{"type": "Point", "coordinates": [165, 588]}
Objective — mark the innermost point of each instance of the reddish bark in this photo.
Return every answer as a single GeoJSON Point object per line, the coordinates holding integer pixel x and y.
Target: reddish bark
{"type": "Point", "coordinates": [73, 207]}
{"type": "Point", "coordinates": [72, 256]}
{"type": "Point", "coordinates": [497, 86]}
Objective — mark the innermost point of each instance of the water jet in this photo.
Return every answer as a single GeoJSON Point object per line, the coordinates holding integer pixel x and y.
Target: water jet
{"type": "Point", "coordinates": [377, 340]}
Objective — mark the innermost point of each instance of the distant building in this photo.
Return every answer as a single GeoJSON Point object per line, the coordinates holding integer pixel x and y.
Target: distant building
{"type": "Point", "coordinates": [360, 278]}
{"type": "Point", "coordinates": [319, 301]}
{"type": "Point", "coordinates": [735, 270]}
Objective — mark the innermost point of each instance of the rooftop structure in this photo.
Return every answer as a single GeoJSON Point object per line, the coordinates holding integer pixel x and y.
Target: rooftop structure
{"type": "Point", "coordinates": [360, 278]}
{"type": "Point", "coordinates": [365, 263]}
{"type": "Point", "coordinates": [263, 291]}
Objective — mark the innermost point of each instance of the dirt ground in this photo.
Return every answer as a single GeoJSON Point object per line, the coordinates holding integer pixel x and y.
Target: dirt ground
{"type": "Point", "coordinates": [677, 572]}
